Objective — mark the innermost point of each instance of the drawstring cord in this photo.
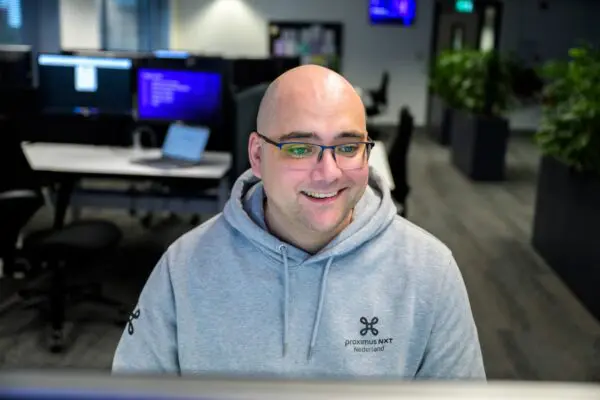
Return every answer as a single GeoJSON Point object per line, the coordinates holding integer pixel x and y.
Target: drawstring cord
{"type": "Point", "coordinates": [286, 297]}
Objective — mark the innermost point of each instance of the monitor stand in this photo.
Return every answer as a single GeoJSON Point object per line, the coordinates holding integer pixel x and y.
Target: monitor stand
{"type": "Point", "coordinates": [136, 138]}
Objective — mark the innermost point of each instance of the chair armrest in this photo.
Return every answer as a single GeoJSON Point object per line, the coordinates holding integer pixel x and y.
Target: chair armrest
{"type": "Point", "coordinates": [18, 194]}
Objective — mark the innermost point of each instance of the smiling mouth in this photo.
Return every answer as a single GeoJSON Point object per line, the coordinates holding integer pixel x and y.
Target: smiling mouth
{"type": "Point", "coordinates": [322, 196]}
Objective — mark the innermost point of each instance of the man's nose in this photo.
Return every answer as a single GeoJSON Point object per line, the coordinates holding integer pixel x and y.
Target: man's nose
{"type": "Point", "coordinates": [327, 168]}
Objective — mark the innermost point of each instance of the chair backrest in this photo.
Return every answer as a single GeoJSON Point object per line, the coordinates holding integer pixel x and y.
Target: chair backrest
{"type": "Point", "coordinates": [398, 155]}
{"type": "Point", "coordinates": [380, 96]}
{"type": "Point", "coordinates": [20, 193]}
{"type": "Point", "coordinates": [247, 103]}
{"type": "Point", "coordinates": [16, 171]}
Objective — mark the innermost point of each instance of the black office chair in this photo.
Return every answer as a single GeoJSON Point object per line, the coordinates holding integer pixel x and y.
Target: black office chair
{"type": "Point", "coordinates": [398, 160]}
{"type": "Point", "coordinates": [58, 250]}
{"type": "Point", "coordinates": [379, 97]}
{"type": "Point", "coordinates": [247, 103]}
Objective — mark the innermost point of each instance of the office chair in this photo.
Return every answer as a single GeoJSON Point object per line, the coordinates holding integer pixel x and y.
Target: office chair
{"type": "Point", "coordinates": [379, 97]}
{"type": "Point", "coordinates": [57, 250]}
{"type": "Point", "coordinates": [247, 103]}
{"type": "Point", "coordinates": [398, 159]}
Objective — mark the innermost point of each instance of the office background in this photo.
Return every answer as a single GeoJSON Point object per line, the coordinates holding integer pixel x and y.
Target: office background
{"type": "Point", "coordinates": [532, 326]}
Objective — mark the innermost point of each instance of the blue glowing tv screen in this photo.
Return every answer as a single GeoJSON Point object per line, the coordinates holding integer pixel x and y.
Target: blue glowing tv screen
{"type": "Point", "coordinates": [397, 12]}
{"type": "Point", "coordinates": [179, 95]}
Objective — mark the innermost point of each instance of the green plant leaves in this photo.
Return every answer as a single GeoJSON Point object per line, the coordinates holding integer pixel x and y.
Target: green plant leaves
{"type": "Point", "coordinates": [463, 79]}
{"type": "Point", "coordinates": [570, 128]}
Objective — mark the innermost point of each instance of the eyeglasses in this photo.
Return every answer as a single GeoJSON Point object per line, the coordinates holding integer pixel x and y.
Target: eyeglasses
{"type": "Point", "coordinates": [304, 156]}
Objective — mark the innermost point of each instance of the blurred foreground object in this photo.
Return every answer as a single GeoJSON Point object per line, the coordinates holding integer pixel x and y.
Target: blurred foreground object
{"type": "Point", "coordinates": [82, 386]}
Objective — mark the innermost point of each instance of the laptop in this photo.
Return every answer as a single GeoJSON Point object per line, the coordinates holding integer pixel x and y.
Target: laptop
{"type": "Point", "coordinates": [183, 147]}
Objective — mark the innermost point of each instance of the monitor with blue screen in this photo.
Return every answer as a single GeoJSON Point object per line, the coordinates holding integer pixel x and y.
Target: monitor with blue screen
{"type": "Point", "coordinates": [179, 95]}
{"type": "Point", "coordinates": [71, 84]}
{"type": "Point", "coordinates": [397, 12]}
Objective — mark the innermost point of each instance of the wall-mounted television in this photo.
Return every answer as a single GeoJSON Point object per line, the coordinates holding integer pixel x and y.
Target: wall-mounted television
{"type": "Point", "coordinates": [394, 12]}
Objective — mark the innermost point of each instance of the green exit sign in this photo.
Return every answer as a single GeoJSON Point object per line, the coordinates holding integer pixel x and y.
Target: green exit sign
{"type": "Point", "coordinates": [464, 6]}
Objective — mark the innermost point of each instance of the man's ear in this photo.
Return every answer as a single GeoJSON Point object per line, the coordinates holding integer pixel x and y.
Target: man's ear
{"type": "Point", "coordinates": [255, 153]}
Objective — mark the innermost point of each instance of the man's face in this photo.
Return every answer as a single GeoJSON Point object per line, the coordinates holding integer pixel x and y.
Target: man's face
{"type": "Point", "coordinates": [288, 189]}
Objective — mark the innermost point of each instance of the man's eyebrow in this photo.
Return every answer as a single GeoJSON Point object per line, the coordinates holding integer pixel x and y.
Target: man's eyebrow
{"type": "Point", "coordinates": [312, 135]}
{"type": "Point", "coordinates": [298, 135]}
{"type": "Point", "coordinates": [354, 135]}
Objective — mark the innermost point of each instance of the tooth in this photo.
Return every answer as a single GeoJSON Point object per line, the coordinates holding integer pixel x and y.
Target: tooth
{"type": "Point", "coordinates": [321, 195]}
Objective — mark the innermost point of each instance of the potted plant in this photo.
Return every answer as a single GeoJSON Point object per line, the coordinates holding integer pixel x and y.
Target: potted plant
{"type": "Point", "coordinates": [566, 227]}
{"type": "Point", "coordinates": [482, 87]}
{"type": "Point", "coordinates": [444, 98]}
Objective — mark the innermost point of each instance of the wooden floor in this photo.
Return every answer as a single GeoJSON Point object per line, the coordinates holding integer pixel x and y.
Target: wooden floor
{"type": "Point", "coordinates": [531, 327]}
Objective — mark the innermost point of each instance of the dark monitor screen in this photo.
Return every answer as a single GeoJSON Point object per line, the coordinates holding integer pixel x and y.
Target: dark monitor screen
{"type": "Point", "coordinates": [16, 67]}
{"type": "Point", "coordinates": [72, 84]}
{"type": "Point", "coordinates": [248, 72]}
{"type": "Point", "coordinates": [398, 12]}
{"type": "Point", "coordinates": [179, 95]}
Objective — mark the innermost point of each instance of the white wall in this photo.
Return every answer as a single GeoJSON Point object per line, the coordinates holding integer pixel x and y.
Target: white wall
{"type": "Point", "coordinates": [239, 28]}
{"type": "Point", "coordinates": [80, 24]}
{"type": "Point", "coordinates": [532, 33]}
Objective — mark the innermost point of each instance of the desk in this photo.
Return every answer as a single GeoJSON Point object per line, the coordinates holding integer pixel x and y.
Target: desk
{"type": "Point", "coordinates": [68, 163]}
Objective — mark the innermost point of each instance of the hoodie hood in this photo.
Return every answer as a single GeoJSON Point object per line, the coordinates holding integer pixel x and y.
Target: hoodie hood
{"type": "Point", "coordinates": [245, 213]}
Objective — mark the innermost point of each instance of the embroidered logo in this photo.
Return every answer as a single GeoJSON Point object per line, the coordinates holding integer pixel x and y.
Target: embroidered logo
{"type": "Point", "coordinates": [369, 326]}
{"type": "Point", "coordinates": [132, 316]}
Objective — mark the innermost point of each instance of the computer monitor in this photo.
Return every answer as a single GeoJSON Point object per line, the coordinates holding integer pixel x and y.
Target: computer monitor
{"type": "Point", "coordinates": [248, 72]}
{"type": "Point", "coordinates": [187, 95]}
{"type": "Point", "coordinates": [16, 67]}
{"type": "Point", "coordinates": [71, 84]}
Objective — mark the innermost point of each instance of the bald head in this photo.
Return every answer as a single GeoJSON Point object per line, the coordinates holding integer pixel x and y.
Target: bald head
{"type": "Point", "coordinates": [308, 90]}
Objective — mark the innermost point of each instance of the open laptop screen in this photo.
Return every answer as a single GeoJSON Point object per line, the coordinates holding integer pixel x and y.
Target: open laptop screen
{"type": "Point", "coordinates": [185, 142]}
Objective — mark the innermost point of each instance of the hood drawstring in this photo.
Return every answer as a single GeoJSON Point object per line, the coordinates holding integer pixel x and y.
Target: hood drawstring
{"type": "Point", "coordinates": [286, 288]}
{"type": "Point", "coordinates": [286, 296]}
{"type": "Point", "coordinates": [319, 308]}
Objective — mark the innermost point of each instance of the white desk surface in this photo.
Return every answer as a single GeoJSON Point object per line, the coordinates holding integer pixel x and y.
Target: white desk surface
{"type": "Point", "coordinates": [379, 162]}
{"type": "Point", "coordinates": [106, 160]}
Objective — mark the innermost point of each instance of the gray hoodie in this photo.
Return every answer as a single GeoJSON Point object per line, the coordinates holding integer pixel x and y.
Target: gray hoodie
{"type": "Point", "coordinates": [384, 299]}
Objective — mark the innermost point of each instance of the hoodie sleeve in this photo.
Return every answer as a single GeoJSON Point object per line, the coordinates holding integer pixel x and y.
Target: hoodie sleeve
{"type": "Point", "coordinates": [453, 350]}
{"type": "Point", "coordinates": [148, 343]}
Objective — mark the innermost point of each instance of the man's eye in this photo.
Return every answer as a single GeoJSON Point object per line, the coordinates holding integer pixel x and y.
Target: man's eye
{"type": "Point", "coordinates": [298, 150]}
{"type": "Point", "coordinates": [347, 149]}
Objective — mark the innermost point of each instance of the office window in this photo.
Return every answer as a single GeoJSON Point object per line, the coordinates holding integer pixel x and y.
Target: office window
{"type": "Point", "coordinates": [135, 25]}
{"type": "Point", "coordinates": [11, 21]}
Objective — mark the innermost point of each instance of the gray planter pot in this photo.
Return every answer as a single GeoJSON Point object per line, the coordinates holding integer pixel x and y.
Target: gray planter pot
{"type": "Point", "coordinates": [566, 228]}
{"type": "Point", "coordinates": [479, 145]}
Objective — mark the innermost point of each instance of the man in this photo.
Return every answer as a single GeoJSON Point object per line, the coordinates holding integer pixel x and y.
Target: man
{"type": "Point", "coordinates": [308, 272]}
